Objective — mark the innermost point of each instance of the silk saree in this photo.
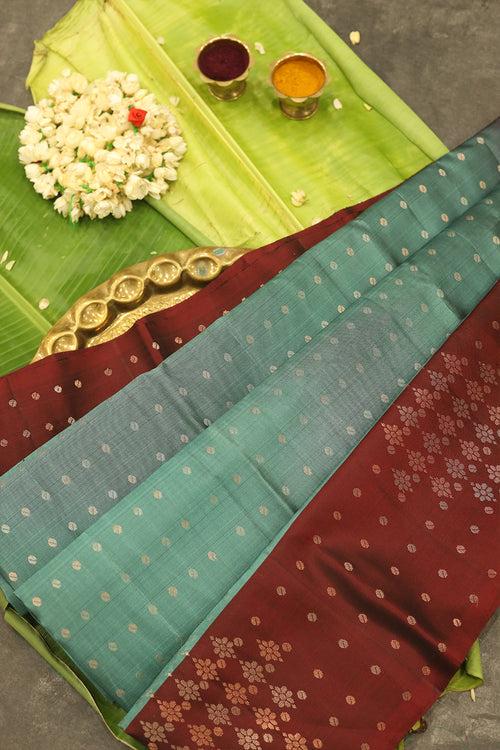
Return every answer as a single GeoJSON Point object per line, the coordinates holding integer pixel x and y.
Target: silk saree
{"type": "Point", "coordinates": [44, 398]}
{"type": "Point", "coordinates": [245, 348]}
{"type": "Point", "coordinates": [354, 623]}
{"type": "Point", "coordinates": [442, 297]}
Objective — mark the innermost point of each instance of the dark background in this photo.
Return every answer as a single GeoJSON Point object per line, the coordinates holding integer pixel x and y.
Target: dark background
{"type": "Point", "coordinates": [443, 58]}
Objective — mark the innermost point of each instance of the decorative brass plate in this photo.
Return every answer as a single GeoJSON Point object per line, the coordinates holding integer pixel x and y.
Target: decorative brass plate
{"type": "Point", "coordinates": [113, 307]}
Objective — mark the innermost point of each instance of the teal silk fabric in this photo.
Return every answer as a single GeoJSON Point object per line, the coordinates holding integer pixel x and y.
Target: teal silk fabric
{"type": "Point", "coordinates": [286, 385]}
{"type": "Point", "coordinates": [63, 488]}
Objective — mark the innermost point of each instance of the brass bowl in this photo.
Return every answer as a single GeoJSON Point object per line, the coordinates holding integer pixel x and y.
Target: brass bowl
{"type": "Point", "coordinates": [299, 108]}
{"type": "Point", "coordinates": [225, 90]}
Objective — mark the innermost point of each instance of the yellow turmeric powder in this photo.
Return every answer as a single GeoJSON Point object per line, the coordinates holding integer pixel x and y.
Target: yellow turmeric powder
{"type": "Point", "coordinates": [299, 77]}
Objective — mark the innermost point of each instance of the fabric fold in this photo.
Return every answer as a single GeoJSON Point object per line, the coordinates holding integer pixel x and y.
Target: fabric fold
{"type": "Point", "coordinates": [44, 398]}
{"type": "Point", "coordinates": [352, 626]}
{"type": "Point", "coordinates": [448, 272]}
{"type": "Point", "coordinates": [145, 560]}
{"type": "Point", "coordinates": [232, 356]}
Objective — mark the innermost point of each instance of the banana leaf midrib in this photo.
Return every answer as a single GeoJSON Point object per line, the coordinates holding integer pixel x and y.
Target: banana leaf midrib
{"type": "Point", "coordinates": [11, 108]}
{"type": "Point", "coordinates": [264, 189]}
{"type": "Point", "coordinates": [9, 291]}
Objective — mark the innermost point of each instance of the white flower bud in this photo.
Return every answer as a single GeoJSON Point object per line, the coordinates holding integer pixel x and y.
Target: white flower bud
{"type": "Point", "coordinates": [61, 205]}
{"type": "Point", "coordinates": [75, 213]}
{"type": "Point", "coordinates": [157, 188]}
{"type": "Point", "coordinates": [156, 159]}
{"type": "Point", "coordinates": [103, 208]}
{"type": "Point", "coordinates": [115, 98]}
{"type": "Point", "coordinates": [28, 154]}
{"type": "Point", "coordinates": [136, 188]}
{"type": "Point", "coordinates": [87, 146]}
{"type": "Point", "coordinates": [78, 82]}
{"type": "Point", "coordinates": [142, 160]}
{"type": "Point", "coordinates": [114, 157]}
{"type": "Point", "coordinates": [32, 114]}
{"type": "Point", "coordinates": [130, 84]}
{"type": "Point", "coordinates": [109, 132]}
{"type": "Point", "coordinates": [33, 171]}
{"type": "Point", "coordinates": [115, 75]}
{"type": "Point", "coordinates": [29, 136]}
{"type": "Point", "coordinates": [120, 208]}
{"type": "Point", "coordinates": [74, 138]}
{"type": "Point", "coordinates": [45, 185]}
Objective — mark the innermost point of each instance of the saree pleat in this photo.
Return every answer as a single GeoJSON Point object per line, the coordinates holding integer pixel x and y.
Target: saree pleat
{"type": "Point", "coordinates": [351, 627]}
{"type": "Point", "coordinates": [41, 400]}
{"type": "Point", "coordinates": [236, 353]}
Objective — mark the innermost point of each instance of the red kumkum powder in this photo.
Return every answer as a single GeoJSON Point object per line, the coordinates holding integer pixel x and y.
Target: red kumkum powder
{"type": "Point", "coordinates": [223, 60]}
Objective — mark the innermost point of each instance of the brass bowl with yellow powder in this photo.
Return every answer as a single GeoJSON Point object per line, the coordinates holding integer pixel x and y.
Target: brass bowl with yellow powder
{"type": "Point", "coordinates": [298, 80]}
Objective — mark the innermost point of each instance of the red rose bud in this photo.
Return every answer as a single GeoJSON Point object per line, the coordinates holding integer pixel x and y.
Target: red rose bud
{"type": "Point", "coordinates": [137, 116]}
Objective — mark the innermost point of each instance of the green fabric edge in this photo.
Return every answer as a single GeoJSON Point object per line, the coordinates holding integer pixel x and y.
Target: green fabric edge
{"type": "Point", "coordinates": [57, 659]}
{"type": "Point", "coordinates": [470, 675]}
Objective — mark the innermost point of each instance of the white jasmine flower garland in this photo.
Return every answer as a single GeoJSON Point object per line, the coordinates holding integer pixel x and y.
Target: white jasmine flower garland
{"type": "Point", "coordinates": [96, 147]}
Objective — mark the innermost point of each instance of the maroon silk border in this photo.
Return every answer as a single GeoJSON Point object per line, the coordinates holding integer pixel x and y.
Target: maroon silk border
{"type": "Point", "coordinates": [355, 623]}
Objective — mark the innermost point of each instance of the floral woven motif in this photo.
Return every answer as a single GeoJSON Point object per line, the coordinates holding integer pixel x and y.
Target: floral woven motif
{"type": "Point", "coordinates": [355, 622]}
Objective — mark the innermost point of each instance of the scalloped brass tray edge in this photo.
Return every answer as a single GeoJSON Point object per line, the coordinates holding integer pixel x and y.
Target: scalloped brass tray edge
{"type": "Point", "coordinates": [114, 306]}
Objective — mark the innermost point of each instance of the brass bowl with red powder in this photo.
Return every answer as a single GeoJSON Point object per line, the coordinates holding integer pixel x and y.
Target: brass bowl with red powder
{"type": "Point", "coordinates": [224, 63]}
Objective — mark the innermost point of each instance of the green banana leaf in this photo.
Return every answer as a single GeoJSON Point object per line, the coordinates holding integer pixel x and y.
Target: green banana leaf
{"type": "Point", "coordinates": [470, 674]}
{"type": "Point", "coordinates": [43, 256]}
{"type": "Point", "coordinates": [245, 158]}
{"type": "Point", "coordinates": [468, 677]}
